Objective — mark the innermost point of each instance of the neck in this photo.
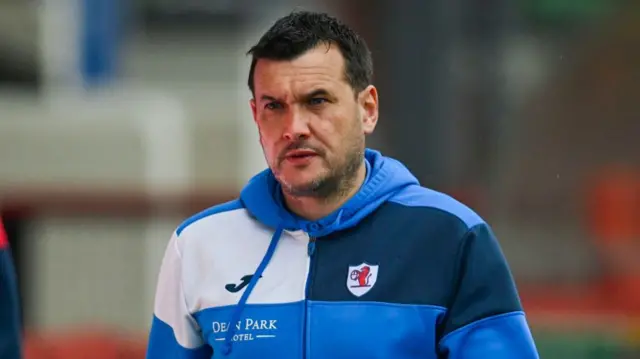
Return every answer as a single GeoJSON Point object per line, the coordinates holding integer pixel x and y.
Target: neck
{"type": "Point", "coordinates": [313, 208]}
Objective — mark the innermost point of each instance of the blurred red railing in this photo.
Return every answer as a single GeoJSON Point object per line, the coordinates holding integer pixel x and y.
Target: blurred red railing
{"type": "Point", "coordinates": [84, 344]}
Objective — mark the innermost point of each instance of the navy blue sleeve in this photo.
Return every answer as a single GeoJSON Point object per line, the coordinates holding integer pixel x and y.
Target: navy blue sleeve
{"type": "Point", "coordinates": [10, 332]}
{"type": "Point", "coordinates": [485, 318]}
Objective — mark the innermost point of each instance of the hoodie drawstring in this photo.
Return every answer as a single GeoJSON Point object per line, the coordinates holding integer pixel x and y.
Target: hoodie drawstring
{"type": "Point", "coordinates": [235, 318]}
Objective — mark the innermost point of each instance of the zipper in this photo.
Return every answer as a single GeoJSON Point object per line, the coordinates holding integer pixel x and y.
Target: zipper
{"type": "Point", "coordinates": [311, 249]}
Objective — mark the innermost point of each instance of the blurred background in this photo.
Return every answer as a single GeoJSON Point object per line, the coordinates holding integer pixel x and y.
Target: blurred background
{"type": "Point", "coordinates": [119, 119]}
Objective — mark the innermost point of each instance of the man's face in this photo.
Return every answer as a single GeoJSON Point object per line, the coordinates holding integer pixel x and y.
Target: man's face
{"type": "Point", "coordinates": [311, 125]}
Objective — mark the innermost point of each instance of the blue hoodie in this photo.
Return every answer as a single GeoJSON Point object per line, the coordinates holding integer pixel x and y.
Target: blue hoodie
{"type": "Point", "coordinates": [399, 271]}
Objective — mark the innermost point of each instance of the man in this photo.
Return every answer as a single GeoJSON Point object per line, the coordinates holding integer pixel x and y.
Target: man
{"type": "Point", "coordinates": [335, 251]}
{"type": "Point", "coordinates": [10, 332]}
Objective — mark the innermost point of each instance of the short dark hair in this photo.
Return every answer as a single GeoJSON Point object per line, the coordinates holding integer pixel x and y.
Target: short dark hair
{"type": "Point", "coordinates": [300, 31]}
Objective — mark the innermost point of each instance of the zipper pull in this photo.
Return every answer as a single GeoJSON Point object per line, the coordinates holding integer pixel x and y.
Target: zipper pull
{"type": "Point", "coordinates": [311, 247]}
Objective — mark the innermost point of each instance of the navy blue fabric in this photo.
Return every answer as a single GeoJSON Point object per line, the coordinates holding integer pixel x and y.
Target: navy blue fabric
{"type": "Point", "coordinates": [164, 344]}
{"type": "Point", "coordinates": [431, 251]}
{"type": "Point", "coordinates": [483, 284]}
{"type": "Point", "coordinates": [10, 328]}
{"type": "Point", "coordinates": [414, 247]}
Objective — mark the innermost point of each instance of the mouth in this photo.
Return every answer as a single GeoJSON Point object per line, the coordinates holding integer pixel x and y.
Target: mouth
{"type": "Point", "coordinates": [298, 155]}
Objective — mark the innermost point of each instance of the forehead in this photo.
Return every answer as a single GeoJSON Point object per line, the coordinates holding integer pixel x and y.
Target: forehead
{"type": "Point", "coordinates": [322, 66]}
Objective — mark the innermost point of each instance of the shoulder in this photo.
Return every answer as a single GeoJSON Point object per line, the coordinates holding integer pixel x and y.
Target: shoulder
{"type": "Point", "coordinates": [431, 204]}
{"type": "Point", "coordinates": [218, 214]}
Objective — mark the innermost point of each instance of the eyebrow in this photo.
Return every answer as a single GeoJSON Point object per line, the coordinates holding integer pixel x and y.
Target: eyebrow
{"type": "Point", "coordinates": [268, 98]}
{"type": "Point", "coordinates": [312, 94]}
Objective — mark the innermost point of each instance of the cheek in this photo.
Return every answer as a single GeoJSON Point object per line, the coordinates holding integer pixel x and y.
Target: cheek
{"type": "Point", "coordinates": [267, 146]}
{"type": "Point", "coordinates": [270, 128]}
{"type": "Point", "coordinates": [270, 149]}
{"type": "Point", "coordinates": [265, 141]}
{"type": "Point", "coordinates": [332, 124]}
{"type": "Point", "coordinates": [340, 130]}
{"type": "Point", "coordinates": [267, 133]}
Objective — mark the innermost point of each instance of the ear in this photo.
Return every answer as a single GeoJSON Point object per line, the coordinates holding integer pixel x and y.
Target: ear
{"type": "Point", "coordinates": [368, 101]}
{"type": "Point", "coordinates": [252, 103]}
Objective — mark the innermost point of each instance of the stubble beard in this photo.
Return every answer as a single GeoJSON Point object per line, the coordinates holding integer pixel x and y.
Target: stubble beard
{"type": "Point", "coordinates": [334, 185]}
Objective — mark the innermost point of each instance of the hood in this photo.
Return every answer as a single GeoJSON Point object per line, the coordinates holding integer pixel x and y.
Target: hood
{"type": "Point", "coordinates": [262, 197]}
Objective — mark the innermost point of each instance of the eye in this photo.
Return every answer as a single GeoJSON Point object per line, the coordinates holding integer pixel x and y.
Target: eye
{"type": "Point", "coordinates": [273, 106]}
{"type": "Point", "coordinates": [315, 101]}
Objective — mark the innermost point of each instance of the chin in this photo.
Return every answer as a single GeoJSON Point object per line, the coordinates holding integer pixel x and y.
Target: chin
{"type": "Point", "coordinates": [302, 190]}
{"type": "Point", "coordinates": [302, 174]}
{"type": "Point", "coordinates": [300, 184]}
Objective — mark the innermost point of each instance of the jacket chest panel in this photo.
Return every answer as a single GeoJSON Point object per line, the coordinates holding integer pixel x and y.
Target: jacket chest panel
{"type": "Point", "coordinates": [216, 271]}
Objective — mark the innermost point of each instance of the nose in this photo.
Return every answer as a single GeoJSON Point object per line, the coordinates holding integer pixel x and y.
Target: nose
{"type": "Point", "coordinates": [296, 126]}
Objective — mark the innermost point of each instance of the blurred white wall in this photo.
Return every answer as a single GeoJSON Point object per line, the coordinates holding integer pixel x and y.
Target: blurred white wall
{"type": "Point", "coordinates": [171, 124]}
{"type": "Point", "coordinates": [177, 119]}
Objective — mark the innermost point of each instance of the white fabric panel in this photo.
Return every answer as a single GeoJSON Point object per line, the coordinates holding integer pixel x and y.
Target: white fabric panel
{"type": "Point", "coordinates": [222, 248]}
{"type": "Point", "coordinates": [170, 305]}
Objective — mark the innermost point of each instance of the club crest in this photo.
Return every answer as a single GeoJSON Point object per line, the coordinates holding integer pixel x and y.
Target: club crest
{"type": "Point", "coordinates": [361, 278]}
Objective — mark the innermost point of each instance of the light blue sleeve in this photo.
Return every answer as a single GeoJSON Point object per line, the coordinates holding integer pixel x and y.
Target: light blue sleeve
{"type": "Point", "coordinates": [174, 332]}
{"type": "Point", "coordinates": [497, 337]}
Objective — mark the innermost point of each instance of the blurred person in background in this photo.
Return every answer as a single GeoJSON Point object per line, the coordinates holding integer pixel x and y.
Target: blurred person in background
{"type": "Point", "coordinates": [10, 331]}
{"type": "Point", "coordinates": [334, 251]}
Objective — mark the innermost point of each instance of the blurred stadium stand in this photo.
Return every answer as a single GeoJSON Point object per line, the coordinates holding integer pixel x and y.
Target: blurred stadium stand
{"type": "Point", "coordinates": [527, 110]}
